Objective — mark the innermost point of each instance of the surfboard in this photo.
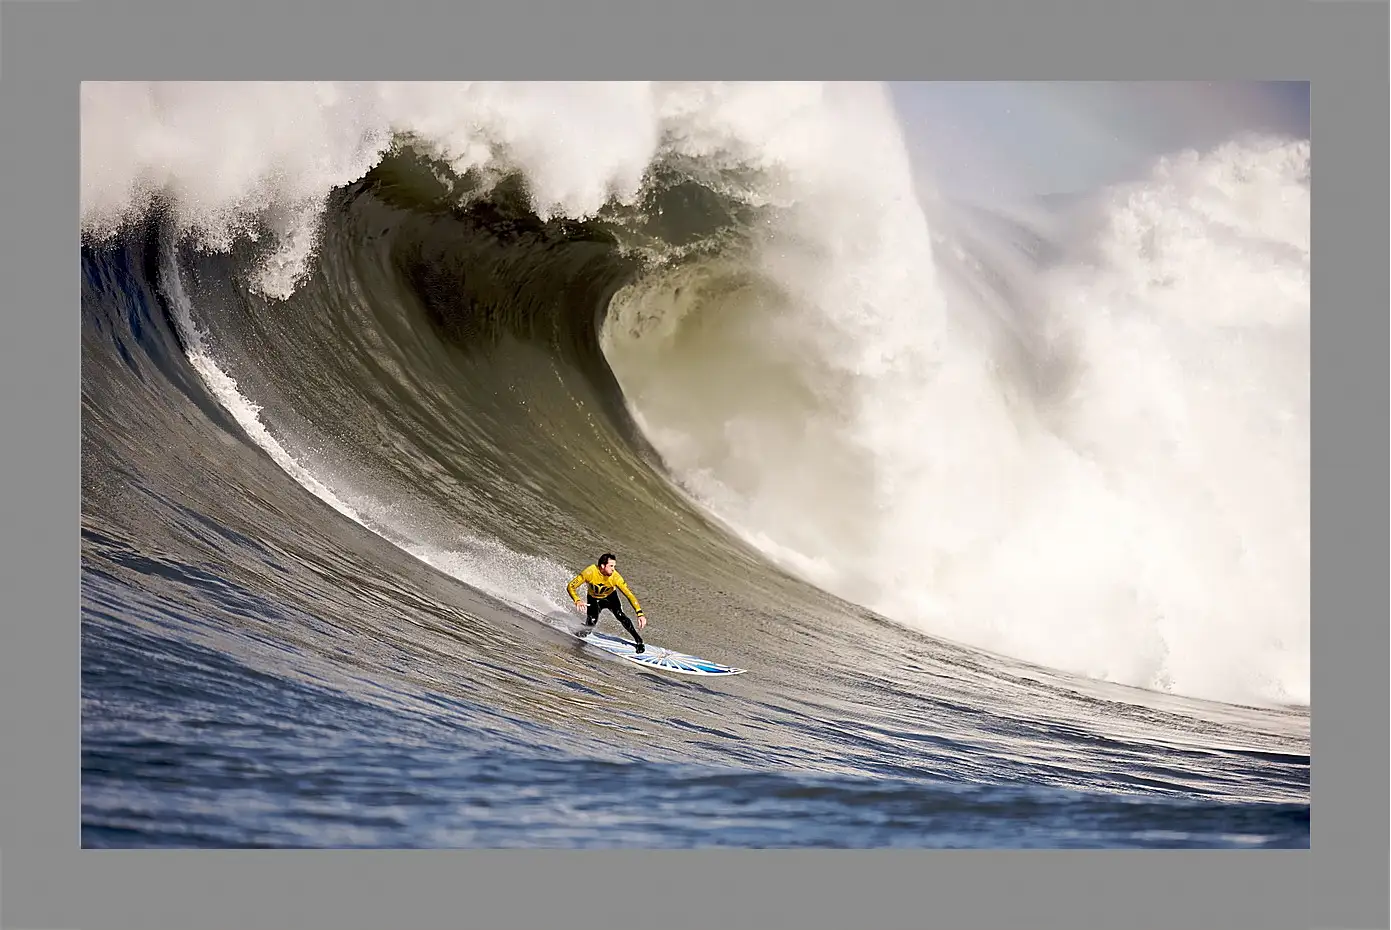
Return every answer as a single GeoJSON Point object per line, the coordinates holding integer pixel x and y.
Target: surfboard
{"type": "Point", "coordinates": [656, 657]}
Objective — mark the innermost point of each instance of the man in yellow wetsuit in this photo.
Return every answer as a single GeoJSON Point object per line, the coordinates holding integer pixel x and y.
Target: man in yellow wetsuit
{"type": "Point", "coordinates": [604, 584]}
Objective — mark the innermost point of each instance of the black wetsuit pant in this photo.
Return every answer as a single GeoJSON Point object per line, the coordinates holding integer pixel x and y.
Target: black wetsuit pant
{"type": "Point", "coordinates": [597, 604]}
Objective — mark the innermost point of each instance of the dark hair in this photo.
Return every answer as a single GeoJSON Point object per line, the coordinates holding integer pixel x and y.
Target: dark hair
{"type": "Point", "coordinates": [606, 557]}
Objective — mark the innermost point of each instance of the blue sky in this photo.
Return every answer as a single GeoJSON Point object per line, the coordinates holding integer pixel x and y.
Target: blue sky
{"type": "Point", "coordinates": [987, 140]}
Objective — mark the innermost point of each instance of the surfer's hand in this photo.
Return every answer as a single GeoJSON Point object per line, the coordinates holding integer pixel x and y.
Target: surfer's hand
{"type": "Point", "coordinates": [579, 608]}
{"type": "Point", "coordinates": [642, 622]}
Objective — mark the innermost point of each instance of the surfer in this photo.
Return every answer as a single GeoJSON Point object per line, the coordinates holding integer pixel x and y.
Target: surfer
{"type": "Point", "coordinates": [604, 584]}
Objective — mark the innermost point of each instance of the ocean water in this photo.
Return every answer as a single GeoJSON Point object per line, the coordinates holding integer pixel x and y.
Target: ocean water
{"type": "Point", "coordinates": [1004, 512]}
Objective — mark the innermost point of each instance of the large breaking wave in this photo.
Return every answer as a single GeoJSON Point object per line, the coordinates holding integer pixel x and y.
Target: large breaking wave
{"type": "Point", "coordinates": [491, 322]}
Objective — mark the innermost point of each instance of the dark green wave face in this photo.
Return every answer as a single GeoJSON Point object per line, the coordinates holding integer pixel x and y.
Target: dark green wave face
{"type": "Point", "coordinates": [382, 483]}
{"type": "Point", "coordinates": [448, 360]}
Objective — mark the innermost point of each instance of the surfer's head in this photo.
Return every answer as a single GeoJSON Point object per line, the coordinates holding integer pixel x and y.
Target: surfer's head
{"type": "Point", "coordinates": [606, 563]}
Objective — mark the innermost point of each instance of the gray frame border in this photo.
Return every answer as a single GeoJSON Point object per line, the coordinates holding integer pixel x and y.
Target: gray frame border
{"type": "Point", "coordinates": [48, 882]}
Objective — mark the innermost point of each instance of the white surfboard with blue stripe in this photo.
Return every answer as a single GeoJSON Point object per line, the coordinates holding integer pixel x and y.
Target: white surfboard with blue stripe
{"type": "Point", "coordinates": [656, 657]}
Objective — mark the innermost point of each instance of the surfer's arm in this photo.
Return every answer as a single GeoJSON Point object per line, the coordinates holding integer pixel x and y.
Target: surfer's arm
{"type": "Point", "coordinates": [637, 608]}
{"type": "Point", "coordinates": [574, 587]}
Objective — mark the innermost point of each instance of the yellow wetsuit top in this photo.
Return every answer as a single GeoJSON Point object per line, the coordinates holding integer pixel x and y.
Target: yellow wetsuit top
{"type": "Point", "coordinates": [601, 587]}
